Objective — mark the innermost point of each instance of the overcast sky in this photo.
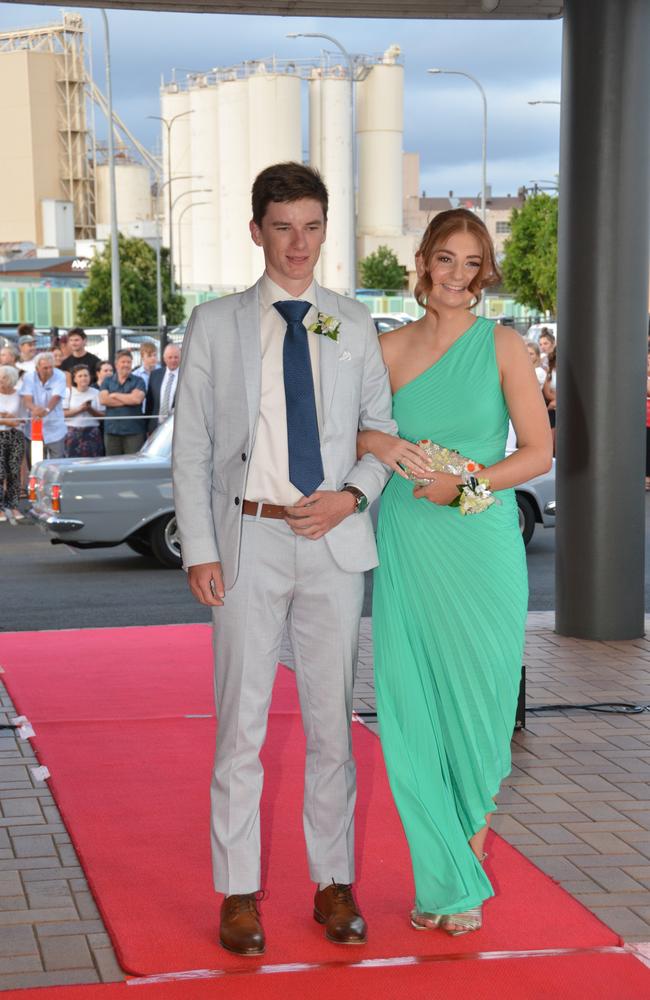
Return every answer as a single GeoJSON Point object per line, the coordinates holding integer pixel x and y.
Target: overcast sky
{"type": "Point", "coordinates": [516, 61]}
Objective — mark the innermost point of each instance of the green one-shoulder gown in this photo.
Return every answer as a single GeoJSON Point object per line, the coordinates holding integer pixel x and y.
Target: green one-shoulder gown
{"type": "Point", "coordinates": [449, 612]}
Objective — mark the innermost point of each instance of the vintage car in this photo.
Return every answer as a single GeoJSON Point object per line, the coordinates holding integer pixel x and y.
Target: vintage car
{"type": "Point", "coordinates": [91, 503]}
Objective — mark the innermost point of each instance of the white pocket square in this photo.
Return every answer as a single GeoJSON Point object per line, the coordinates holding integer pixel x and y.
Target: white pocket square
{"type": "Point", "coordinates": [345, 356]}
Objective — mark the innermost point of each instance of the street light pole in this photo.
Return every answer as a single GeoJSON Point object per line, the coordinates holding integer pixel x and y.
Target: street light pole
{"type": "Point", "coordinates": [116, 292]}
{"type": "Point", "coordinates": [459, 72]}
{"type": "Point", "coordinates": [353, 200]}
{"type": "Point", "coordinates": [194, 204]}
{"type": "Point", "coordinates": [178, 197]}
{"type": "Point", "coordinates": [168, 122]}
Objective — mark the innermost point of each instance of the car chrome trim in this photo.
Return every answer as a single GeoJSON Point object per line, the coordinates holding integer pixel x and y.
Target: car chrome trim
{"type": "Point", "coordinates": [54, 523]}
{"type": "Point", "coordinates": [549, 508]}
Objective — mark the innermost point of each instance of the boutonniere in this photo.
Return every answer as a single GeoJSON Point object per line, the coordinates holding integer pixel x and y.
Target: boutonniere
{"type": "Point", "coordinates": [326, 326]}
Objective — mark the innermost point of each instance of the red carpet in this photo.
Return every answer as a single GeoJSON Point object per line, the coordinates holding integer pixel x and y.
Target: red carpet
{"type": "Point", "coordinates": [130, 773]}
{"type": "Point", "coordinates": [571, 977]}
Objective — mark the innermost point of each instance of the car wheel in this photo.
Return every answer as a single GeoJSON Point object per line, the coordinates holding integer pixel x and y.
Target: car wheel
{"type": "Point", "coordinates": [139, 545]}
{"type": "Point", "coordinates": [165, 543]}
{"type": "Point", "coordinates": [526, 517]}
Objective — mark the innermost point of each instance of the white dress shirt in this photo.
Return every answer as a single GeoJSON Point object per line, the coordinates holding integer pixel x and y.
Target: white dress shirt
{"type": "Point", "coordinates": [54, 426]}
{"type": "Point", "coordinates": [268, 473]}
{"type": "Point", "coordinates": [167, 378]}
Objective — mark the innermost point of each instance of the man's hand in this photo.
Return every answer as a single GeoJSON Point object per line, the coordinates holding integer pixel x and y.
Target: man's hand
{"type": "Point", "coordinates": [206, 583]}
{"type": "Point", "coordinates": [317, 514]}
{"type": "Point", "coordinates": [39, 411]}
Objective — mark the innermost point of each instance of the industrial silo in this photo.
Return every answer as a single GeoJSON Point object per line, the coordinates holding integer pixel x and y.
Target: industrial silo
{"type": "Point", "coordinates": [380, 127]}
{"type": "Point", "coordinates": [330, 152]}
{"type": "Point", "coordinates": [133, 190]}
{"type": "Point", "coordinates": [274, 129]}
{"type": "Point", "coordinates": [234, 191]}
{"type": "Point", "coordinates": [204, 220]}
{"type": "Point", "coordinates": [175, 101]}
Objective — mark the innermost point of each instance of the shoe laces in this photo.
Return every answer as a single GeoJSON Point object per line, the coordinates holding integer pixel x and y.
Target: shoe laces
{"type": "Point", "coordinates": [343, 893]}
{"type": "Point", "coordinates": [249, 903]}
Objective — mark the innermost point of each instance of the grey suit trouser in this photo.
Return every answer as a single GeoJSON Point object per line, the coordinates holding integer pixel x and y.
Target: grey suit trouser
{"type": "Point", "coordinates": [284, 578]}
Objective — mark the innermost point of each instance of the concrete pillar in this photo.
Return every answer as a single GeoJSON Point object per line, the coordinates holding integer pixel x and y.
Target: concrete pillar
{"type": "Point", "coordinates": [603, 318]}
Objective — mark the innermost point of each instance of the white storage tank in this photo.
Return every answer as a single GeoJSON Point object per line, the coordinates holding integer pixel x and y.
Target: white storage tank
{"type": "Point", "coordinates": [274, 130]}
{"type": "Point", "coordinates": [330, 152]}
{"type": "Point", "coordinates": [234, 191]}
{"type": "Point", "coordinates": [174, 101]}
{"type": "Point", "coordinates": [380, 128]}
{"type": "Point", "coordinates": [133, 191]}
{"type": "Point", "coordinates": [203, 221]}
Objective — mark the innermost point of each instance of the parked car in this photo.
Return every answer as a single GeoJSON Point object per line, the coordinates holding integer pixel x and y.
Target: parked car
{"type": "Point", "coordinates": [90, 503]}
{"type": "Point", "coordinates": [390, 321]}
{"type": "Point", "coordinates": [10, 336]}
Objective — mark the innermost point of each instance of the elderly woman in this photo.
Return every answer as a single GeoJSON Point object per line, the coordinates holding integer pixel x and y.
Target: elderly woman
{"type": "Point", "coordinates": [12, 443]}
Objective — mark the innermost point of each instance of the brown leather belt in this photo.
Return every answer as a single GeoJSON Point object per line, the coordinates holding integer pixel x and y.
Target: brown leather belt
{"type": "Point", "coordinates": [268, 509]}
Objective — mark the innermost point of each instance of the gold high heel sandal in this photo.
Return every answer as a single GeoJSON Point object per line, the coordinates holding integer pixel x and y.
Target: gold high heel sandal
{"type": "Point", "coordinates": [425, 921]}
{"type": "Point", "coordinates": [470, 920]}
{"type": "Point", "coordinates": [463, 923]}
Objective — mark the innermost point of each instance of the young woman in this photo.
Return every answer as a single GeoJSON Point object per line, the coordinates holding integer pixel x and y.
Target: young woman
{"type": "Point", "coordinates": [535, 356]}
{"type": "Point", "coordinates": [81, 410]}
{"type": "Point", "coordinates": [450, 596]}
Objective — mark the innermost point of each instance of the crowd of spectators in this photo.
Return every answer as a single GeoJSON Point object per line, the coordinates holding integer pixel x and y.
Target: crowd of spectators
{"type": "Point", "coordinates": [86, 407]}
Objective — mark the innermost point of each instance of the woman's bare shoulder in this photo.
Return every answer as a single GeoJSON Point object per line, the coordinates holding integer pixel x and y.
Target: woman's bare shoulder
{"type": "Point", "coordinates": [394, 342]}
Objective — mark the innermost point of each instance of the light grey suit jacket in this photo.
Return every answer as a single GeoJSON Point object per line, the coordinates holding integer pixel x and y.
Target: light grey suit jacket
{"type": "Point", "coordinates": [216, 412]}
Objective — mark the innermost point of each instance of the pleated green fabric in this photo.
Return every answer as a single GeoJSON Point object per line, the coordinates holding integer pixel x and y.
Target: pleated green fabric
{"type": "Point", "coordinates": [449, 612]}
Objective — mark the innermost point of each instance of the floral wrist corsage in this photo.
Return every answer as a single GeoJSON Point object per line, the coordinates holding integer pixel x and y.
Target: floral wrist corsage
{"type": "Point", "coordinates": [474, 495]}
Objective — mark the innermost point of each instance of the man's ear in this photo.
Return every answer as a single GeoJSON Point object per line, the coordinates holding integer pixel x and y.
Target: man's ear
{"type": "Point", "coordinates": [256, 233]}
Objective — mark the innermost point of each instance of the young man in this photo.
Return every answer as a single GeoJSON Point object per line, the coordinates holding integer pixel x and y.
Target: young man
{"type": "Point", "coordinates": [148, 362]}
{"type": "Point", "coordinates": [271, 505]}
{"type": "Point", "coordinates": [27, 347]}
{"type": "Point", "coordinates": [122, 395]}
{"type": "Point", "coordinates": [78, 354]}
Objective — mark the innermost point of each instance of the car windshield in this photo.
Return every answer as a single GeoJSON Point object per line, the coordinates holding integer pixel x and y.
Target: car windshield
{"type": "Point", "coordinates": [159, 445]}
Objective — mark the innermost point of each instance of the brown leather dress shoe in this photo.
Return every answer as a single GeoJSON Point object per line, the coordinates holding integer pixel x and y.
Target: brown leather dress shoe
{"type": "Point", "coordinates": [335, 907]}
{"type": "Point", "coordinates": [241, 929]}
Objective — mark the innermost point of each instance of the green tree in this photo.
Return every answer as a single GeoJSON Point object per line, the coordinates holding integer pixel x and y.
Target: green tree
{"type": "Point", "coordinates": [382, 269]}
{"type": "Point", "coordinates": [530, 262]}
{"type": "Point", "coordinates": [138, 286]}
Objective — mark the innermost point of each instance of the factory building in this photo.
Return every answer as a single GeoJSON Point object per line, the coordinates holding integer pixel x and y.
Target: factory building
{"type": "Point", "coordinates": [43, 120]}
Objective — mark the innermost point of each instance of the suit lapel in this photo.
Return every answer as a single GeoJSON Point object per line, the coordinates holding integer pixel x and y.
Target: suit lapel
{"type": "Point", "coordinates": [329, 350]}
{"type": "Point", "coordinates": [247, 317]}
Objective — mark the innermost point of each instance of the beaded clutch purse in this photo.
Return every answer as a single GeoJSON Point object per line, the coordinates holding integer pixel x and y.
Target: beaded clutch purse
{"type": "Point", "coordinates": [444, 460]}
{"type": "Point", "coordinates": [474, 495]}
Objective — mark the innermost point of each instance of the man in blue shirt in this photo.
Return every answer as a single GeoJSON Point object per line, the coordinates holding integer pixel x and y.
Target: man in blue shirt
{"type": "Point", "coordinates": [122, 395]}
{"type": "Point", "coordinates": [42, 392]}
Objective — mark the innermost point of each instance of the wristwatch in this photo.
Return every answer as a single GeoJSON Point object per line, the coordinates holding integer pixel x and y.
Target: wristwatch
{"type": "Point", "coordinates": [361, 498]}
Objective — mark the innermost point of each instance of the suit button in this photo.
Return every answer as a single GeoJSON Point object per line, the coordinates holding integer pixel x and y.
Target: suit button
{"type": "Point", "coordinates": [243, 456]}
{"type": "Point", "coordinates": [236, 501]}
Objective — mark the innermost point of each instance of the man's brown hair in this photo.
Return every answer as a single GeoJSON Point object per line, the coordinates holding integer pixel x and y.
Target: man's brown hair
{"type": "Point", "coordinates": [147, 348]}
{"type": "Point", "coordinates": [77, 331]}
{"type": "Point", "coordinates": [287, 182]}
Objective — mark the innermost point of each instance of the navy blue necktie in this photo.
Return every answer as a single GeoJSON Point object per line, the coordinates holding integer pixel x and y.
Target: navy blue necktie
{"type": "Point", "coordinates": [305, 463]}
